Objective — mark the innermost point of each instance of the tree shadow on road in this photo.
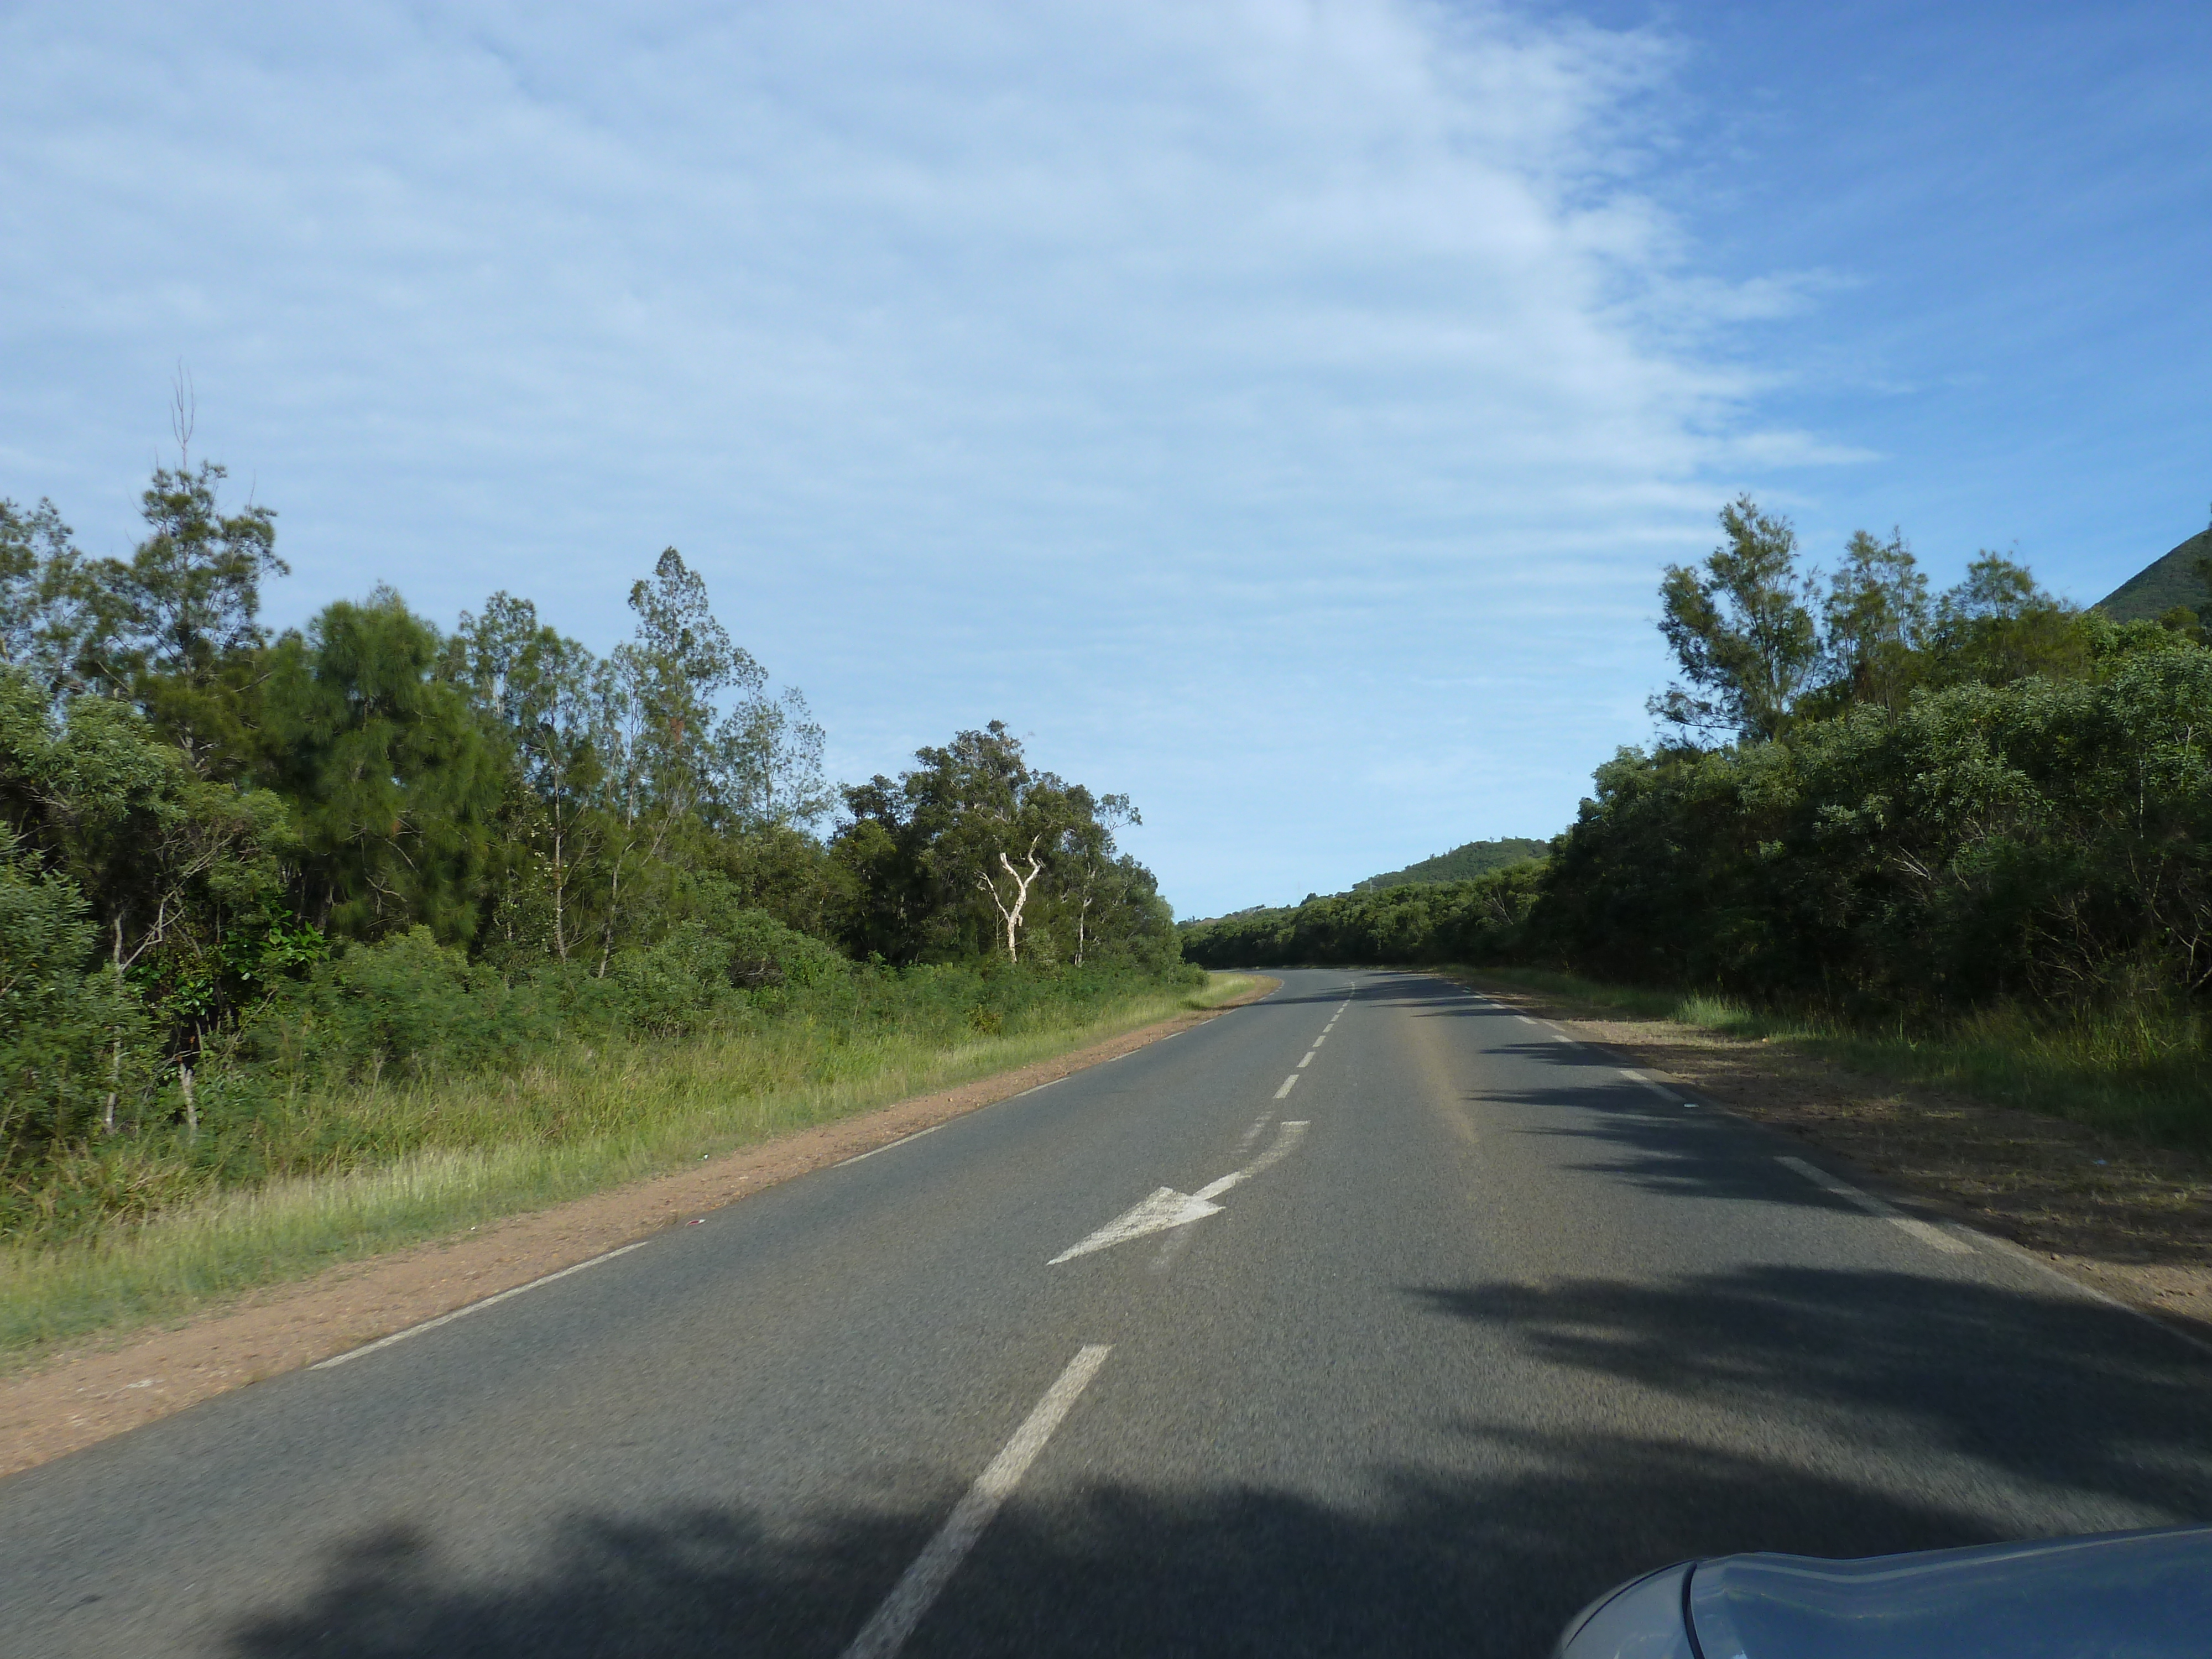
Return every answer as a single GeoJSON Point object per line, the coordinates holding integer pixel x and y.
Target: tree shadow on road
{"type": "Point", "coordinates": [1427, 1564]}
{"type": "Point", "coordinates": [2054, 1390]}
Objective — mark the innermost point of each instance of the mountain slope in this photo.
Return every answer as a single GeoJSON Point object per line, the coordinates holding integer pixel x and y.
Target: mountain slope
{"type": "Point", "coordinates": [2163, 584]}
{"type": "Point", "coordinates": [1476, 858]}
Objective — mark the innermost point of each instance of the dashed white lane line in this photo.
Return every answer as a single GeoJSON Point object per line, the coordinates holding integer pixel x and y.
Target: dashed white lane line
{"type": "Point", "coordinates": [1920, 1229]}
{"type": "Point", "coordinates": [1305, 1058]}
{"type": "Point", "coordinates": [1289, 1084]}
{"type": "Point", "coordinates": [1322, 1038]}
{"type": "Point", "coordinates": [473, 1307]}
{"type": "Point", "coordinates": [1652, 1083]}
{"type": "Point", "coordinates": [886, 1631]}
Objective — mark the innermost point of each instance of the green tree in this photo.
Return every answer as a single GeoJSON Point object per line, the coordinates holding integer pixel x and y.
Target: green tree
{"type": "Point", "coordinates": [393, 779]}
{"type": "Point", "coordinates": [177, 628]}
{"type": "Point", "coordinates": [974, 851]}
{"type": "Point", "coordinates": [45, 598]}
{"type": "Point", "coordinates": [536, 686]}
{"type": "Point", "coordinates": [1741, 629]}
{"type": "Point", "coordinates": [676, 761]}
{"type": "Point", "coordinates": [1874, 622]}
{"type": "Point", "coordinates": [1998, 625]}
{"type": "Point", "coordinates": [170, 867]}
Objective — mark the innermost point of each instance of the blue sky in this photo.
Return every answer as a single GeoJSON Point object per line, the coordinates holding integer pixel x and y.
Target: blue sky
{"type": "Point", "coordinates": [1278, 411]}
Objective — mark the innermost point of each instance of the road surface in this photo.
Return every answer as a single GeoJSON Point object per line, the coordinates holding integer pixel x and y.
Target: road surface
{"type": "Point", "coordinates": [1371, 1318]}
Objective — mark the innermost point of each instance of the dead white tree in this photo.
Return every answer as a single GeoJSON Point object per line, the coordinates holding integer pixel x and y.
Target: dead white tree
{"type": "Point", "coordinates": [1012, 903]}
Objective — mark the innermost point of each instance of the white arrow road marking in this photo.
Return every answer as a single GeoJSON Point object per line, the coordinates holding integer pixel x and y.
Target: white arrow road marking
{"type": "Point", "coordinates": [1166, 1207]}
{"type": "Point", "coordinates": [1287, 1136]}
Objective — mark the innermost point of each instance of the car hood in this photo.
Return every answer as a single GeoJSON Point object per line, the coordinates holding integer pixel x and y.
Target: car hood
{"type": "Point", "coordinates": [2114, 1595]}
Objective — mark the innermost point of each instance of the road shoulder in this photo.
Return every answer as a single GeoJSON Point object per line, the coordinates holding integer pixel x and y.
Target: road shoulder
{"type": "Point", "coordinates": [2130, 1221]}
{"type": "Point", "coordinates": [97, 1388]}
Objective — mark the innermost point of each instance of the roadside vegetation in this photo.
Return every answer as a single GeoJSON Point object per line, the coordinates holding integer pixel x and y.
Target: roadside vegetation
{"type": "Point", "coordinates": [398, 1160]}
{"type": "Point", "coordinates": [350, 934]}
{"type": "Point", "coordinates": [1963, 838]}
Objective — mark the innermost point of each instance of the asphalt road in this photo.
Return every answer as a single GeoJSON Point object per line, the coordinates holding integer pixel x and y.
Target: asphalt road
{"type": "Point", "coordinates": [1462, 1329]}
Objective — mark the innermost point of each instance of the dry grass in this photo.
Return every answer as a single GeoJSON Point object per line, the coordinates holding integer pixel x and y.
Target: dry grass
{"type": "Point", "coordinates": [481, 1147]}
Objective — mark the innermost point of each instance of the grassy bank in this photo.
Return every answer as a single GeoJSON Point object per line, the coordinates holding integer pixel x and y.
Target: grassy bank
{"type": "Point", "coordinates": [2143, 1073]}
{"type": "Point", "coordinates": [476, 1147]}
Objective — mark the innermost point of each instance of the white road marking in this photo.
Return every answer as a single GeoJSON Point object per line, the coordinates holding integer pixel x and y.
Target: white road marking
{"type": "Point", "coordinates": [1289, 1084]}
{"type": "Point", "coordinates": [1305, 1058]}
{"type": "Point", "coordinates": [916, 1135]}
{"type": "Point", "coordinates": [885, 1633]}
{"type": "Point", "coordinates": [1322, 1038]}
{"type": "Point", "coordinates": [1873, 1206]}
{"type": "Point", "coordinates": [473, 1307]}
{"type": "Point", "coordinates": [1172, 1247]}
{"type": "Point", "coordinates": [1244, 1142]}
{"type": "Point", "coordinates": [2028, 1256]}
{"type": "Point", "coordinates": [1164, 1207]}
{"type": "Point", "coordinates": [1287, 1136]}
{"type": "Point", "coordinates": [1524, 1019]}
{"type": "Point", "coordinates": [1652, 1083]}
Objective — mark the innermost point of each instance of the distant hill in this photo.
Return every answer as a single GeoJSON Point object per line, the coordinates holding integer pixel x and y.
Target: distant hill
{"type": "Point", "coordinates": [2161, 586]}
{"type": "Point", "coordinates": [1476, 858]}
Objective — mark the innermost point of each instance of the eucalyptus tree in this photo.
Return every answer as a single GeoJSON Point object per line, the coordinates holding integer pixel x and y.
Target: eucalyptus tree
{"type": "Point", "coordinates": [45, 609]}
{"type": "Point", "coordinates": [536, 687]}
{"type": "Point", "coordinates": [1093, 876]}
{"type": "Point", "coordinates": [1875, 621]}
{"type": "Point", "coordinates": [1742, 628]}
{"type": "Point", "coordinates": [176, 627]}
{"type": "Point", "coordinates": [971, 849]}
{"type": "Point", "coordinates": [691, 739]}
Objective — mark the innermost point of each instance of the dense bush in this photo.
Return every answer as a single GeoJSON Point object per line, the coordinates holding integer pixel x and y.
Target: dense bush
{"type": "Point", "coordinates": [235, 870]}
{"type": "Point", "coordinates": [1926, 809]}
{"type": "Point", "coordinates": [1480, 920]}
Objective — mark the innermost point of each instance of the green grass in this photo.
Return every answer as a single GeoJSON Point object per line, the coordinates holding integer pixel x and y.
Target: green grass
{"type": "Point", "coordinates": [1227, 987]}
{"type": "Point", "coordinates": [580, 1120]}
{"type": "Point", "coordinates": [2143, 1073]}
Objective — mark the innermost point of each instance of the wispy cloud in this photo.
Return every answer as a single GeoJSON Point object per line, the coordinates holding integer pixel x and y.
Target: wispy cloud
{"type": "Point", "coordinates": [1181, 382]}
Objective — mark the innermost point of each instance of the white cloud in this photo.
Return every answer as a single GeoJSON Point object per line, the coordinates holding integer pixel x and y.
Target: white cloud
{"type": "Point", "coordinates": [1180, 382]}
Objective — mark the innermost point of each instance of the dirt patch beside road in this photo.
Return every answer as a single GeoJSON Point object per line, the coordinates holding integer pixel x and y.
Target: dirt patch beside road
{"type": "Point", "coordinates": [93, 1390]}
{"type": "Point", "coordinates": [2132, 1221]}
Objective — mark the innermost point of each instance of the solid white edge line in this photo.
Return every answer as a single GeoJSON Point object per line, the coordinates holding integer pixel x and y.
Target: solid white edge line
{"type": "Point", "coordinates": [887, 1146]}
{"type": "Point", "coordinates": [473, 1307]}
{"type": "Point", "coordinates": [1821, 1177]}
{"type": "Point", "coordinates": [2090, 1290]}
{"type": "Point", "coordinates": [887, 1630]}
{"type": "Point", "coordinates": [1926, 1233]}
{"type": "Point", "coordinates": [1289, 1084]}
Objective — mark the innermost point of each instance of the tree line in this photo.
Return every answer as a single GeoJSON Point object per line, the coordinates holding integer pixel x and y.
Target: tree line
{"type": "Point", "coordinates": [1890, 802]}
{"type": "Point", "coordinates": [222, 846]}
